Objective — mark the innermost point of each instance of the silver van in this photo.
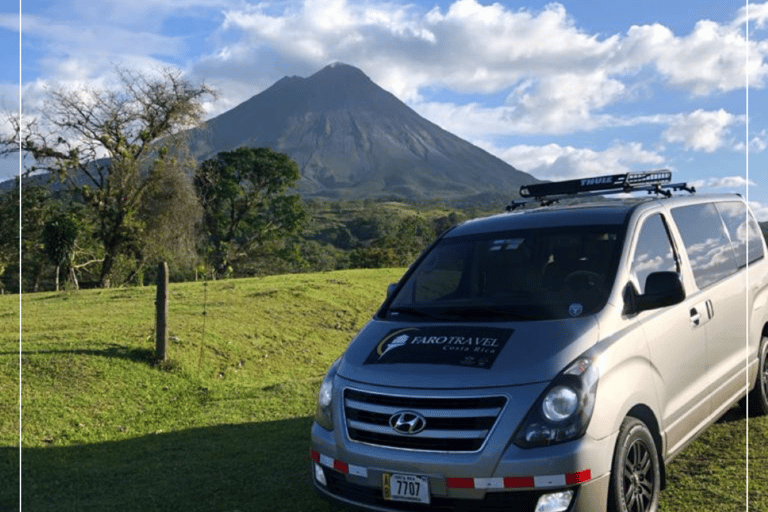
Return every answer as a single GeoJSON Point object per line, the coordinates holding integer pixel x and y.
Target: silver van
{"type": "Point", "coordinates": [552, 358]}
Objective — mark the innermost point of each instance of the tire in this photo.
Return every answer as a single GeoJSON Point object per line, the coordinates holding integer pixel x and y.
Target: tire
{"type": "Point", "coordinates": [635, 480]}
{"type": "Point", "coordinates": [758, 397]}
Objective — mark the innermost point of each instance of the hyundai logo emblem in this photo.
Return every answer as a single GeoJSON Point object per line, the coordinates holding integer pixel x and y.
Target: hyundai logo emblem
{"type": "Point", "coordinates": [407, 422]}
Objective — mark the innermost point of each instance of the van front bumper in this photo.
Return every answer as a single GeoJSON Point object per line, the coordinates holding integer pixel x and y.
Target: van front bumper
{"type": "Point", "coordinates": [520, 478]}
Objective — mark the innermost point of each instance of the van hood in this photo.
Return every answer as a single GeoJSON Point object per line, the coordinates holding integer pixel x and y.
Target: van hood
{"type": "Point", "coordinates": [465, 355]}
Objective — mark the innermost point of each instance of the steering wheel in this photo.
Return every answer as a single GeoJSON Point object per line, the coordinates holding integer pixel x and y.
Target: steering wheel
{"type": "Point", "coordinates": [581, 279]}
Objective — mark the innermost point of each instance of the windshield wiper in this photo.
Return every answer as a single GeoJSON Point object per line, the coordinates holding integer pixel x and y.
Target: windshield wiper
{"type": "Point", "coordinates": [496, 312]}
{"type": "Point", "coordinates": [422, 313]}
{"type": "Point", "coordinates": [458, 313]}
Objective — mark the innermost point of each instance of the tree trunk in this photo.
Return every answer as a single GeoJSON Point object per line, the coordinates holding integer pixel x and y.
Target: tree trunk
{"type": "Point", "coordinates": [106, 268]}
{"type": "Point", "coordinates": [73, 278]}
{"type": "Point", "coordinates": [58, 267]}
{"type": "Point", "coordinates": [136, 275]}
{"type": "Point", "coordinates": [36, 277]}
{"type": "Point", "coordinates": [110, 237]}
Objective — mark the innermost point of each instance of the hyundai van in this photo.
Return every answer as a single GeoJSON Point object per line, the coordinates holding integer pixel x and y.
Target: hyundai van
{"type": "Point", "coordinates": [554, 358]}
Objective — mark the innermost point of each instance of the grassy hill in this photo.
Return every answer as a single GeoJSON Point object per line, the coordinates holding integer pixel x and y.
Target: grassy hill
{"type": "Point", "coordinates": [224, 425]}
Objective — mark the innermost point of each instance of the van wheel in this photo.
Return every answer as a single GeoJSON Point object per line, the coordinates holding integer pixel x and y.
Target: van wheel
{"type": "Point", "coordinates": [758, 397]}
{"type": "Point", "coordinates": [635, 473]}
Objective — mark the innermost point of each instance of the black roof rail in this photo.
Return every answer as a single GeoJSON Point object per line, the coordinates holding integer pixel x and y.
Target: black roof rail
{"type": "Point", "coordinates": [654, 182]}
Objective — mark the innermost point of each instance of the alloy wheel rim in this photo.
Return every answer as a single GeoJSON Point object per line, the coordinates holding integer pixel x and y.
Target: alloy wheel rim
{"type": "Point", "coordinates": [765, 374]}
{"type": "Point", "coordinates": [639, 477]}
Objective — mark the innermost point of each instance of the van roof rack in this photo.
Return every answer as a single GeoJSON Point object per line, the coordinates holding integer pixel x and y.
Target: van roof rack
{"type": "Point", "coordinates": [654, 182]}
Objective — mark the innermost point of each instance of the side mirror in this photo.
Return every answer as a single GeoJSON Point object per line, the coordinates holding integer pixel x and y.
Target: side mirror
{"type": "Point", "coordinates": [661, 289]}
{"type": "Point", "coordinates": [391, 289]}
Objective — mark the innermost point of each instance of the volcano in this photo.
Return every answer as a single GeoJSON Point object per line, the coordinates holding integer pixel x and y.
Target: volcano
{"type": "Point", "coordinates": [353, 139]}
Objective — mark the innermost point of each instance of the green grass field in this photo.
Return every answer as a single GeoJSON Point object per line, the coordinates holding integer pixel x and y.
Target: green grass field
{"type": "Point", "coordinates": [224, 424]}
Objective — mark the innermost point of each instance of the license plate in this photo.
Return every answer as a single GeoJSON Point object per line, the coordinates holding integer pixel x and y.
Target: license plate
{"type": "Point", "coordinates": [410, 488]}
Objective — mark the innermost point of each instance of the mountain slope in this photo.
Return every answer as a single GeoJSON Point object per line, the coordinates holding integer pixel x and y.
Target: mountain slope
{"type": "Point", "coordinates": [353, 139]}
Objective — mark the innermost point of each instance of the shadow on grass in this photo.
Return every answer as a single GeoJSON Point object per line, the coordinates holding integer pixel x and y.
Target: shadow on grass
{"type": "Point", "coordinates": [138, 355]}
{"type": "Point", "coordinates": [250, 467]}
{"type": "Point", "coordinates": [260, 467]}
{"type": "Point", "coordinates": [735, 413]}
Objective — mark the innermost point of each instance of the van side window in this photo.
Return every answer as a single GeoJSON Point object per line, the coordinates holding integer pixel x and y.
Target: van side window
{"type": "Point", "coordinates": [706, 242]}
{"type": "Point", "coordinates": [653, 252]}
{"type": "Point", "coordinates": [743, 230]}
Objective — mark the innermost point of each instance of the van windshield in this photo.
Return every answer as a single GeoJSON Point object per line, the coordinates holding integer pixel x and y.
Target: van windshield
{"type": "Point", "coordinates": [515, 275]}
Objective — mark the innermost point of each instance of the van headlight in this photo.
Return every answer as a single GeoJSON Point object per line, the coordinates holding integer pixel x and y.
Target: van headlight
{"type": "Point", "coordinates": [324, 410]}
{"type": "Point", "coordinates": [563, 411]}
{"type": "Point", "coordinates": [560, 403]}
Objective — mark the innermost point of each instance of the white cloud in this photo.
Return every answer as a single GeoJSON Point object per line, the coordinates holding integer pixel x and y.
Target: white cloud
{"type": "Point", "coordinates": [753, 13]}
{"type": "Point", "coordinates": [563, 103]}
{"type": "Point", "coordinates": [760, 210]}
{"type": "Point", "coordinates": [79, 54]}
{"type": "Point", "coordinates": [730, 182]}
{"type": "Point", "coordinates": [9, 97]}
{"type": "Point", "coordinates": [469, 48]}
{"type": "Point", "coordinates": [79, 39]}
{"type": "Point", "coordinates": [555, 162]}
{"type": "Point", "coordinates": [473, 120]}
{"type": "Point", "coordinates": [558, 77]}
{"type": "Point", "coordinates": [758, 143]}
{"type": "Point", "coordinates": [700, 130]}
{"type": "Point", "coordinates": [503, 46]}
{"type": "Point", "coordinates": [9, 167]}
{"type": "Point", "coordinates": [137, 15]}
{"type": "Point", "coordinates": [523, 71]}
{"type": "Point", "coordinates": [711, 58]}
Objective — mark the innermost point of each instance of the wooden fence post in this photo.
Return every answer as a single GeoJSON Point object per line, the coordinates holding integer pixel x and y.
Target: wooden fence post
{"type": "Point", "coordinates": [161, 316]}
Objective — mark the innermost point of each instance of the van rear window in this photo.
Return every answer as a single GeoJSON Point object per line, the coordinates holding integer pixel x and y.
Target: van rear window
{"type": "Point", "coordinates": [743, 231]}
{"type": "Point", "coordinates": [706, 242]}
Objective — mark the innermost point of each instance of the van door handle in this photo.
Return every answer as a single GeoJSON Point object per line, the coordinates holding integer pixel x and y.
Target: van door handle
{"type": "Point", "coordinates": [695, 317]}
{"type": "Point", "coordinates": [701, 313]}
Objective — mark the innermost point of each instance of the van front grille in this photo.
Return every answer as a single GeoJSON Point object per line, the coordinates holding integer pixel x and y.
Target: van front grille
{"type": "Point", "coordinates": [452, 424]}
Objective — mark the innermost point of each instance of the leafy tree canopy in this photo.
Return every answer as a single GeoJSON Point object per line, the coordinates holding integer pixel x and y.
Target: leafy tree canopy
{"type": "Point", "coordinates": [106, 146]}
{"type": "Point", "coordinates": [245, 202]}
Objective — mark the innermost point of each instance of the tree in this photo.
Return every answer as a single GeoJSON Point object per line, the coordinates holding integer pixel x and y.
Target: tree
{"type": "Point", "coordinates": [107, 146]}
{"type": "Point", "coordinates": [172, 215]}
{"type": "Point", "coordinates": [245, 204]}
{"type": "Point", "coordinates": [399, 242]}
{"type": "Point", "coordinates": [59, 238]}
{"type": "Point", "coordinates": [26, 237]}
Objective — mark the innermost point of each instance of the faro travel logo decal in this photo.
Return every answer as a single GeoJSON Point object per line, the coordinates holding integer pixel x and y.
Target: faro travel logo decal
{"type": "Point", "coordinates": [476, 347]}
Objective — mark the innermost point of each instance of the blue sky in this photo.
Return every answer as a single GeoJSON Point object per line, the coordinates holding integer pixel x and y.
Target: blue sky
{"type": "Point", "coordinates": [557, 89]}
